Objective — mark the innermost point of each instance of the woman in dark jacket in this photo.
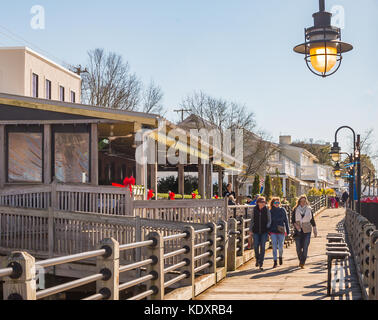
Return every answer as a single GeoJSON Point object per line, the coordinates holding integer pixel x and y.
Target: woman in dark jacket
{"type": "Point", "coordinates": [278, 229]}
{"type": "Point", "coordinates": [261, 221]}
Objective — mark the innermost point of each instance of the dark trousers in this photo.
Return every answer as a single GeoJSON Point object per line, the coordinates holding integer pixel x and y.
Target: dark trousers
{"type": "Point", "coordinates": [302, 242]}
{"type": "Point", "coordinates": [259, 242]}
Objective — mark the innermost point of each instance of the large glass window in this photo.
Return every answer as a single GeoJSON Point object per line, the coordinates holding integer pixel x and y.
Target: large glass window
{"type": "Point", "coordinates": [72, 157]}
{"type": "Point", "coordinates": [25, 157]}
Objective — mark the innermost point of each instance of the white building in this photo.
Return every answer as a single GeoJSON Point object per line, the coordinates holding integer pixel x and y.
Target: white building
{"type": "Point", "coordinates": [24, 72]}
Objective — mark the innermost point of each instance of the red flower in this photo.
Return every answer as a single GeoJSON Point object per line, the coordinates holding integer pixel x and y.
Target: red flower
{"type": "Point", "coordinates": [216, 197]}
{"type": "Point", "coordinates": [128, 182]}
{"type": "Point", "coordinates": [194, 196]}
{"type": "Point", "coordinates": [172, 196]}
{"type": "Point", "coordinates": [150, 194]}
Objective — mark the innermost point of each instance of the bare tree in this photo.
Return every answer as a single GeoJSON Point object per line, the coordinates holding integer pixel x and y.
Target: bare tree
{"type": "Point", "coordinates": [109, 82]}
{"type": "Point", "coordinates": [152, 99]}
{"type": "Point", "coordinates": [220, 114]}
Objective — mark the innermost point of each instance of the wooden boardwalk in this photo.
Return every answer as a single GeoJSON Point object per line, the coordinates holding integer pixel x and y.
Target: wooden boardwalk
{"type": "Point", "coordinates": [289, 282]}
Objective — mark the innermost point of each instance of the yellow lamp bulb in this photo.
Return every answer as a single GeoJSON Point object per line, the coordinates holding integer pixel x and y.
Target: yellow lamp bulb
{"type": "Point", "coordinates": [319, 60]}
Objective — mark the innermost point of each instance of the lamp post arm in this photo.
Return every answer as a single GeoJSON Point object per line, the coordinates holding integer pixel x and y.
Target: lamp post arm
{"type": "Point", "coordinates": [354, 135]}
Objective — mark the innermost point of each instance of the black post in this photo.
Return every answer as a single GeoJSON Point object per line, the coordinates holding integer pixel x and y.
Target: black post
{"type": "Point", "coordinates": [351, 184]}
{"type": "Point", "coordinates": [358, 160]}
{"type": "Point", "coordinates": [322, 5]}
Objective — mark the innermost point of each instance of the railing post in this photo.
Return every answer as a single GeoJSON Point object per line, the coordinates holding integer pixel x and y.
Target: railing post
{"type": "Point", "coordinates": [108, 265]}
{"type": "Point", "coordinates": [54, 195]}
{"type": "Point", "coordinates": [223, 233]}
{"type": "Point", "coordinates": [156, 252]}
{"type": "Point", "coordinates": [367, 231]}
{"type": "Point", "coordinates": [373, 267]}
{"type": "Point", "coordinates": [225, 209]}
{"type": "Point", "coordinates": [21, 285]}
{"type": "Point", "coordinates": [188, 257]}
{"type": "Point", "coordinates": [51, 232]}
{"type": "Point", "coordinates": [241, 229]}
{"type": "Point", "coordinates": [212, 237]}
{"type": "Point", "coordinates": [232, 249]}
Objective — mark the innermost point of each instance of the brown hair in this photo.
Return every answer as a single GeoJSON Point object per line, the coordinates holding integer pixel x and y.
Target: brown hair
{"type": "Point", "coordinates": [299, 200]}
{"type": "Point", "coordinates": [260, 199]}
{"type": "Point", "coordinates": [273, 201]}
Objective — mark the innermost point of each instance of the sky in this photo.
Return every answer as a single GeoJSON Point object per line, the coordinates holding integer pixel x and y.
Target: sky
{"type": "Point", "coordinates": [240, 50]}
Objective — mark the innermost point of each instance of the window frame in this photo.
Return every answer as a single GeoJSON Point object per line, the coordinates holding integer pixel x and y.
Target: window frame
{"type": "Point", "coordinates": [35, 85]}
{"type": "Point", "coordinates": [62, 93]}
{"type": "Point", "coordinates": [24, 129]}
{"type": "Point", "coordinates": [48, 89]}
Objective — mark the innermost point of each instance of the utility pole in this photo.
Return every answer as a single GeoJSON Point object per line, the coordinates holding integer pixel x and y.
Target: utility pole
{"type": "Point", "coordinates": [79, 70]}
{"type": "Point", "coordinates": [182, 111]}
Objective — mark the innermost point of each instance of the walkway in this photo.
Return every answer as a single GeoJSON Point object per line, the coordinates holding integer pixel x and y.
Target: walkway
{"type": "Point", "coordinates": [288, 282]}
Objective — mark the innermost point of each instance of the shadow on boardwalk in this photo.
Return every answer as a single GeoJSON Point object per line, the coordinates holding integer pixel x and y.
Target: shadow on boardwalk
{"type": "Point", "coordinates": [289, 282]}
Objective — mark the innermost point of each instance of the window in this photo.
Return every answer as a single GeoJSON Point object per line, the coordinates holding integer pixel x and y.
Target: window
{"type": "Point", "coordinates": [71, 157]}
{"type": "Point", "coordinates": [35, 85]}
{"type": "Point", "coordinates": [48, 89]}
{"type": "Point", "coordinates": [25, 156]}
{"type": "Point", "coordinates": [73, 97]}
{"type": "Point", "coordinates": [61, 93]}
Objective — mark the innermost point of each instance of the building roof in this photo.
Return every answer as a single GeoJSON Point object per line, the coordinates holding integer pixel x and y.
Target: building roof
{"type": "Point", "coordinates": [78, 109]}
{"type": "Point", "coordinates": [41, 57]}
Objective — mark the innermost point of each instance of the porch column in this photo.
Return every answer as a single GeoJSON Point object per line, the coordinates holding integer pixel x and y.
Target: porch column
{"type": "Point", "coordinates": [94, 154]}
{"type": "Point", "coordinates": [154, 177]}
{"type": "Point", "coordinates": [47, 154]}
{"type": "Point", "coordinates": [220, 181]}
{"type": "Point", "coordinates": [181, 179]}
{"type": "Point", "coordinates": [201, 180]}
{"type": "Point", "coordinates": [284, 187]}
{"type": "Point", "coordinates": [2, 156]}
{"type": "Point", "coordinates": [209, 180]}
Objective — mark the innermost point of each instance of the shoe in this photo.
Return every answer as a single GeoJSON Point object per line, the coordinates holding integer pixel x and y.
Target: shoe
{"type": "Point", "coordinates": [275, 265]}
{"type": "Point", "coordinates": [281, 261]}
{"type": "Point", "coordinates": [257, 264]}
{"type": "Point", "coordinates": [301, 266]}
{"type": "Point", "coordinates": [261, 268]}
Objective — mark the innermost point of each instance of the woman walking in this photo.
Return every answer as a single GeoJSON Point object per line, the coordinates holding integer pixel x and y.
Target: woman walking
{"type": "Point", "coordinates": [303, 221]}
{"type": "Point", "coordinates": [260, 224]}
{"type": "Point", "coordinates": [278, 229]}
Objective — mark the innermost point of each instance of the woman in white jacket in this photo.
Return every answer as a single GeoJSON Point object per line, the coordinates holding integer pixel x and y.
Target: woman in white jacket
{"type": "Point", "coordinates": [304, 222]}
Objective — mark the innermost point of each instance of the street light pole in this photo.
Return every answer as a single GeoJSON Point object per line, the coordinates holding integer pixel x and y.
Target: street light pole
{"type": "Point", "coordinates": [335, 153]}
{"type": "Point", "coordinates": [358, 160]}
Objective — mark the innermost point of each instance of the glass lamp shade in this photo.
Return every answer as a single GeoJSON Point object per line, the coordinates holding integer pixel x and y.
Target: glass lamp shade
{"type": "Point", "coordinates": [323, 59]}
{"type": "Point", "coordinates": [337, 178]}
{"type": "Point", "coordinates": [335, 156]}
{"type": "Point", "coordinates": [337, 173]}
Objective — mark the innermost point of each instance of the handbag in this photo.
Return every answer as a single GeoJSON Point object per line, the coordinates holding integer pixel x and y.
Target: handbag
{"type": "Point", "coordinates": [307, 227]}
{"type": "Point", "coordinates": [281, 229]}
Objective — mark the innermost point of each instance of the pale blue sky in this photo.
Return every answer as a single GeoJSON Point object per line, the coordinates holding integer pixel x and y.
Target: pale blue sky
{"type": "Point", "coordinates": [239, 50]}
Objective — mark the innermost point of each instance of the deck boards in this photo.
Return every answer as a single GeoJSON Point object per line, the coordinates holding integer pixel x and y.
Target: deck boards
{"type": "Point", "coordinates": [288, 282]}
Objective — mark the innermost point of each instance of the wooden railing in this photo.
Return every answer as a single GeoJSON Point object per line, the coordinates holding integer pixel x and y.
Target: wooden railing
{"type": "Point", "coordinates": [363, 238]}
{"type": "Point", "coordinates": [202, 252]}
{"type": "Point", "coordinates": [73, 198]}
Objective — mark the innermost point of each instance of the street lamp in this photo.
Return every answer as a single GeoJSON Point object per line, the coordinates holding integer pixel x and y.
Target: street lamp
{"type": "Point", "coordinates": [323, 47]}
{"type": "Point", "coordinates": [355, 159]}
{"type": "Point", "coordinates": [335, 152]}
{"type": "Point", "coordinates": [337, 170]}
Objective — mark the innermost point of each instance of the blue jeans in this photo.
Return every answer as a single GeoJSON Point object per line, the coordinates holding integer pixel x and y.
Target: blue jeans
{"type": "Point", "coordinates": [278, 241]}
{"type": "Point", "coordinates": [259, 242]}
{"type": "Point", "coordinates": [302, 242]}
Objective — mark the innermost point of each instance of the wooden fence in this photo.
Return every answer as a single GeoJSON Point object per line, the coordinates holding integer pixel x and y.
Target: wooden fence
{"type": "Point", "coordinates": [363, 237]}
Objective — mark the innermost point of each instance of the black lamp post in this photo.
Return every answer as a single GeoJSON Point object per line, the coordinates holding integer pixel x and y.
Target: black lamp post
{"type": "Point", "coordinates": [336, 156]}
{"type": "Point", "coordinates": [350, 176]}
{"type": "Point", "coordinates": [323, 47]}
